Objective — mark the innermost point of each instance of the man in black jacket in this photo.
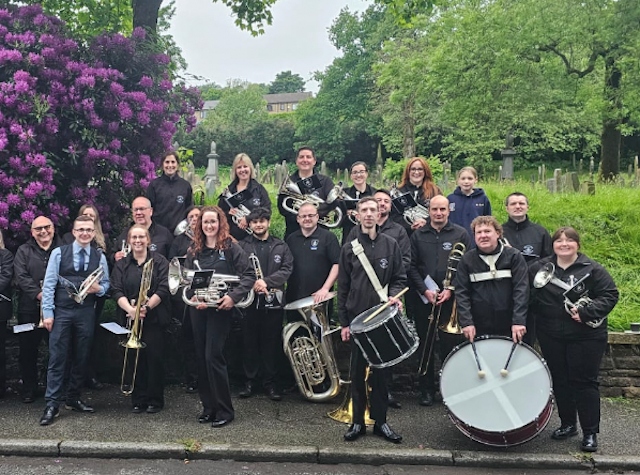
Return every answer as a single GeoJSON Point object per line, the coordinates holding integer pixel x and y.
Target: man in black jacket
{"type": "Point", "coordinates": [531, 239]}
{"type": "Point", "coordinates": [431, 246]}
{"type": "Point", "coordinates": [262, 325]}
{"type": "Point", "coordinates": [492, 286]}
{"type": "Point", "coordinates": [357, 294]}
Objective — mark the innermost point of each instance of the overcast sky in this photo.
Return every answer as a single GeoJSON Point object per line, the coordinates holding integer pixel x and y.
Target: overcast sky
{"type": "Point", "coordinates": [217, 50]}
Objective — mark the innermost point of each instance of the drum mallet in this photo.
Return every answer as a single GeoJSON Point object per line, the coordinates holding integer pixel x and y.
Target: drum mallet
{"type": "Point", "coordinates": [387, 304]}
{"type": "Point", "coordinates": [481, 373]}
{"type": "Point", "coordinates": [504, 371]}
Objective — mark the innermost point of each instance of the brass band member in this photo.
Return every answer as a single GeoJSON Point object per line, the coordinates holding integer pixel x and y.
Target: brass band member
{"type": "Point", "coordinates": [356, 294]}
{"type": "Point", "coordinates": [359, 189]}
{"type": "Point", "coordinates": [213, 248]}
{"type": "Point", "coordinates": [492, 285]}
{"type": "Point", "coordinates": [430, 249]}
{"type": "Point", "coordinates": [573, 336]}
{"type": "Point", "coordinates": [262, 323]}
{"type": "Point", "coordinates": [417, 179]}
{"type": "Point", "coordinates": [74, 263]}
{"type": "Point", "coordinates": [30, 265]}
{"type": "Point", "coordinates": [148, 390]}
{"type": "Point", "coordinates": [6, 307]}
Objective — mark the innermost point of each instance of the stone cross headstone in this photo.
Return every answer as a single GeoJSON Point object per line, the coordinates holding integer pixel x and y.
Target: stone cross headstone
{"type": "Point", "coordinates": [211, 177]}
{"type": "Point", "coordinates": [507, 158]}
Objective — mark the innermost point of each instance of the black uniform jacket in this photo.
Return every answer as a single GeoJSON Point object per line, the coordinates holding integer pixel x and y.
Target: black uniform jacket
{"type": "Point", "coordinates": [355, 291]}
{"type": "Point", "coordinates": [258, 198]}
{"type": "Point", "coordinates": [180, 246]}
{"type": "Point", "coordinates": [170, 198]}
{"type": "Point", "coordinates": [161, 239]}
{"type": "Point", "coordinates": [495, 303]}
{"type": "Point", "coordinates": [347, 225]}
{"type": "Point", "coordinates": [416, 192]}
{"type": "Point", "coordinates": [29, 267]}
{"type": "Point", "coordinates": [326, 185]}
{"type": "Point", "coordinates": [430, 251]}
{"type": "Point", "coordinates": [6, 275]}
{"type": "Point", "coordinates": [547, 303]}
{"type": "Point", "coordinates": [125, 282]}
{"type": "Point", "coordinates": [531, 239]}
{"type": "Point", "coordinates": [231, 261]}
{"type": "Point", "coordinates": [395, 232]}
{"type": "Point", "coordinates": [280, 263]}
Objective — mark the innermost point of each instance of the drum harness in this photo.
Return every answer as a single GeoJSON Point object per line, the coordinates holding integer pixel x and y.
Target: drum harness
{"type": "Point", "coordinates": [490, 260]}
{"type": "Point", "coordinates": [358, 250]}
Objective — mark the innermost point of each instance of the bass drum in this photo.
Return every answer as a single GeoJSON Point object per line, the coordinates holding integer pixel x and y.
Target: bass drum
{"type": "Point", "coordinates": [497, 410]}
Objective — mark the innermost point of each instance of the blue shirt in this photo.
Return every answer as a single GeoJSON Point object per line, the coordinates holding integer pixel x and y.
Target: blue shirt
{"type": "Point", "coordinates": [51, 276]}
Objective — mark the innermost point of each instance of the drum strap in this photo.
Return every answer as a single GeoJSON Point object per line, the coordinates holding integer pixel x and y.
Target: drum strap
{"type": "Point", "coordinates": [358, 250]}
{"type": "Point", "coordinates": [493, 273]}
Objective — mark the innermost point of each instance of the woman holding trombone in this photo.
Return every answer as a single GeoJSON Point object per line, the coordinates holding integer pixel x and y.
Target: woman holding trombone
{"type": "Point", "coordinates": [154, 313]}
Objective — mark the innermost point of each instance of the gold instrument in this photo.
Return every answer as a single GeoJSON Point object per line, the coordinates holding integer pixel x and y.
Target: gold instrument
{"type": "Point", "coordinates": [135, 325]}
{"type": "Point", "coordinates": [452, 326]}
{"type": "Point", "coordinates": [241, 211]}
{"type": "Point", "coordinates": [412, 214]}
{"type": "Point", "coordinates": [311, 352]}
{"type": "Point", "coordinates": [273, 295]}
{"type": "Point", "coordinates": [219, 286]}
{"type": "Point", "coordinates": [183, 227]}
{"type": "Point", "coordinates": [344, 412]}
{"type": "Point", "coordinates": [294, 199]}
{"type": "Point", "coordinates": [126, 248]}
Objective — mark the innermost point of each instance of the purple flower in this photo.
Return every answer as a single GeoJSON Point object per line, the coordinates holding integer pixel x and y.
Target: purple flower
{"type": "Point", "coordinates": [125, 111]}
{"type": "Point", "coordinates": [128, 179]}
{"type": "Point", "coordinates": [115, 144]}
{"type": "Point", "coordinates": [146, 81]}
{"type": "Point", "coordinates": [12, 199]}
{"type": "Point", "coordinates": [27, 216]}
{"type": "Point", "coordinates": [4, 222]}
{"type": "Point", "coordinates": [4, 207]}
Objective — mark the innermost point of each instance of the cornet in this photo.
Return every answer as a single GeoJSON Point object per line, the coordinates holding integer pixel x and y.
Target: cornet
{"type": "Point", "coordinates": [241, 211]}
{"type": "Point", "coordinates": [126, 248]}
{"type": "Point", "coordinates": [294, 199]}
{"type": "Point", "coordinates": [273, 297]}
{"type": "Point", "coordinates": [413, 213]}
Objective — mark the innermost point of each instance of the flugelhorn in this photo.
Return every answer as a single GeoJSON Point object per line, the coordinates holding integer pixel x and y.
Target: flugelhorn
{"type": "Point", "coordinates": [338, 193]}
{"type": "Point", "coordinates": [126, 248]}
{"type": "Point", "coordinates": [78, 295]}
{"type": "Point", "coordinates": [294, 199]}
{"type": "Point", "coordinates": [135, 326]}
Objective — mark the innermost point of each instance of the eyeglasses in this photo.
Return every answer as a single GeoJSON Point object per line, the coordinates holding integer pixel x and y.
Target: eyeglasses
{"type": "Point", "coordinates": [416, 169]}
{"type": "Point", "coordinates": [305, 216]}
{"type": "Point", "coordinates": [140, 210]}
{"type": "Point", "coordinates": [85, 230]}
{"type": "Point", "coordinates": [39, 229]}
{"type": "Point", "coordinates": [359, 172]}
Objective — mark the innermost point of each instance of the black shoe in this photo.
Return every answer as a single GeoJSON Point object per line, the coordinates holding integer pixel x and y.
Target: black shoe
{"type": "Point", "coordinates": [192, 387]}
{"type": "Point", "coordinates": [79, 406]}
{"type": "Point", "coordinates": [589, 443]}
{"type": "Point", "coordinates": [273, 394]}
{"type": "Point", "coordinates": [220, 422]}
{"type": "Point", "coordinates": [384, 430]}
{"type": "Point", "coordinates": [49, 414]}
{"type": "Point", "coordinates": [153, 409]}
{"type": "Point", "coordinates": [564, 432]}
{"type": "Point", "coordinates": [28, 398]}
{"type": "Point", "coordinates": [247, 391]}
{"type": "Point", "coordinates": [355, 431]}
{"type": "Point", "coordinates": [426, 399]}
{"type": "Point", "coordinates": [93, 383]}
{"type": "Point", "coordinates": [205, 418]}
{"type": "Point", "coordinates": [393, 402]}
{"type": "Point", "coordinates": [138, 409]}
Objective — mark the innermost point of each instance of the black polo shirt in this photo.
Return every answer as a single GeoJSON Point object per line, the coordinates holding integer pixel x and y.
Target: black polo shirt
{"type": "Point", "coordinates": [313, 258]}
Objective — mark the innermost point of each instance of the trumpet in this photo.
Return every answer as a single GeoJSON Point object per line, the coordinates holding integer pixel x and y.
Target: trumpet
{"type": "Point", "coordinates": [126, 248]}
{"type": "Point", "coordinates": [412, 214]}
{"type": "Point", "coordinates": [241, 211]}
{"type": "Point", "coordinates": [294, 199]}
{"type": "Point", "coordinates": [135, 325]}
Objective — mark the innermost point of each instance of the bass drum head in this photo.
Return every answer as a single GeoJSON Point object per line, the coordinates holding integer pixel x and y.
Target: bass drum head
{"type": "Point", "coordinates": [358, 325]}
{"type": "Point", "coordinates": [496, 403]}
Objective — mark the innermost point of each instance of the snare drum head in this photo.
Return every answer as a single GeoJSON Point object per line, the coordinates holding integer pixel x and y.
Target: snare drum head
{"type": "Point", "coordinates": [495, 403]}
{"type": "Point", "coordinates": [307, 302]}
{"type": "Point", "coordinates": [358, 325]}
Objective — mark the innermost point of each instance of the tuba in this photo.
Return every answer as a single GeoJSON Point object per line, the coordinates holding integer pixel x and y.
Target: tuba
{"type": "Point", "coordinates": [413, 213]}
{"type": "Point", "coordinates": [242, 211]}
{"type": "Point", "coordinates": [294, 199]}
{"type": "Point", "coordinates": [218, 286]}
{"type": "Point", "coordinates": [310, 352]}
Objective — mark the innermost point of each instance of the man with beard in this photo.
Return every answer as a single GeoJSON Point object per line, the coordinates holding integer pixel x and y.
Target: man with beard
{"type": "Point", "coordinates": [262, 325]}
{"type": "Point", "coordinates": [492, 285]}
{"type": "Point", "coordinates": [356, 294]}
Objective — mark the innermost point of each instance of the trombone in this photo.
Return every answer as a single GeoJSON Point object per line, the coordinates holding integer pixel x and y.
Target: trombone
{"type": "Point", "coordinates": [135, 325]}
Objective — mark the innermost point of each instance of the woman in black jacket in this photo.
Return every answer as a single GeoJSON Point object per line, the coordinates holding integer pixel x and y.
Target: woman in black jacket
{"type": "Point", "coordinates": [574, 296]}
{"type": "Point", "coordinates": [148, 391]}
{"type": "Point", "coordinates": [6, 308]}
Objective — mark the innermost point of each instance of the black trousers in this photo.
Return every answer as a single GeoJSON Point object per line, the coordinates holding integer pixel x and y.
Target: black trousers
{"type": "Point", "coordinates": [379, 395]}
{"type": "Point", "coordinates": [149, 383]}
{"type": "Point", "coordinates": [574, 366]}
{"type": "Point", "coordinates": [262, 342]}
{"type": "Point", "coordinates": [210, 331]}
{"type": "Point", "coordinates": [187, 350]}
{"type": "Point", "coordinates": [29, 342]}
{"type": "Point", "coordinates": [3, 357]}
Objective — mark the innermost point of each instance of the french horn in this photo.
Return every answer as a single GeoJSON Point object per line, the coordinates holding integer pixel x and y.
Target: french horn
{"type": "Point", "coordinates": [294, 199]}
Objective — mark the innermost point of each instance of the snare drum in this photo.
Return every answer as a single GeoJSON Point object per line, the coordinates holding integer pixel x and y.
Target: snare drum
{"type": "Point", "coordinates": [497, 410]}
{"type": "Point", "coordinates": [386, 339]}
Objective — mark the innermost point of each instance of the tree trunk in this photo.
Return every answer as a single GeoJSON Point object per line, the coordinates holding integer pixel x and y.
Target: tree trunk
{"type": "Point", "coordinates": [611, 138]}
{"type": "Point", "coordinates": [408, 131]}
{"type": "Point", "coordinates": [145, 14]}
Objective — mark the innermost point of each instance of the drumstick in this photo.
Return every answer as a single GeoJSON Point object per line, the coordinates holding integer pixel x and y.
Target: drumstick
{"type": "Point", "coordinates": [387, 304]}
{"type": "Point", "coordinates": [481, 373]}
{"type": "Point", "coordinates": [504, 371]}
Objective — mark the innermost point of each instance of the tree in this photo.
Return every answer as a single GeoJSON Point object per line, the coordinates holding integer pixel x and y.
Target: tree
{"type": "Point", "coordinates": [286, 82]}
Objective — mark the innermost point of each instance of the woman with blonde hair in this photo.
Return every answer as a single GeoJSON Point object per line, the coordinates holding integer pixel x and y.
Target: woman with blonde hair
{"type": "Point", "coordinates": [245, 191]}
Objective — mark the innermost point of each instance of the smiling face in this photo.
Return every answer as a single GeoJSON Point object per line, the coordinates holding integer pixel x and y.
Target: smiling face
{"type": "Point", "coordinates": [210, 224]}
{"type": "Point", "coordinates": [466, 182]}
{"type": "Point", "coordinates": [359, 175]}
{"type": "Point", "coordinates": [305, 162]}
{"type": "Point", "coordinates": [417, 173]}
{"type": "Point", "coordinates": [260, 227]}
{"type": "Point", "coordinates": [486, 237]}
{"type": "Point", "coordinates": [384, 203]}
{"type": "Point", "coordinates": [243, 171]}
{"type": "Point", "coordinates": [170, 165]}
{"type": "Point", "coordinates": [42, 231]}
{"type": "Point", "coordinates": [308, 217]}
{"type": "Point", "coordinates": [139, 239]}
{"type": "Point", "coordinates": [565, 247]}
{"type": "Point", "coordinates": [83, 232]}
{"type": "Point", "coordinates": [142, 211]}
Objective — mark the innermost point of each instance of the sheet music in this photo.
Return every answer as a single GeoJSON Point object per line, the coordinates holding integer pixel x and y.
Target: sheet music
{"type": "Point", "coordinates": [114, 328]}
{"type": "Point", "coordinates": [431, 285]}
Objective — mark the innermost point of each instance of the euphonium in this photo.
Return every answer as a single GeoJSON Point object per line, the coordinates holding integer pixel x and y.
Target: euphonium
{"type": "Point", "coordinates": [294, 199]}
{"type": "Point", "coordinates": [135, 325]}
{"type": "Point", "coordinates": [241, 211]}
{"type": "Point", "coordinates": [312, 359]}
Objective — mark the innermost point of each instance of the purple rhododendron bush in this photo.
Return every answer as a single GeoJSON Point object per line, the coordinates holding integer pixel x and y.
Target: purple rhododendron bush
{"type": "Point", "coordinates": [80, 123]}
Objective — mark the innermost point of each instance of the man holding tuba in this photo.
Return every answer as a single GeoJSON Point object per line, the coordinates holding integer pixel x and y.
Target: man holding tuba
{"type": "Point", "coordinates": [356, 294]}
{"type": "Point", "coordinates": [68, 315]}
{"type": "Point", "coordinates": [272, 262]}
{"type": "Point", "coordinates": [431, 246]}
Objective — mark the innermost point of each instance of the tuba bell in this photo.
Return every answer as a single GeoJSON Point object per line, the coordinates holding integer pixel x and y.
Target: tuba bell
{"type": "Point", "coordinates": [294, 199]}
{"type": "Point", "coordinates": [311, 352]}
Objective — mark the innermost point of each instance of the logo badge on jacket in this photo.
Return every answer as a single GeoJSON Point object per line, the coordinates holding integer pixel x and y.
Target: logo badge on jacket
{"type": "Point", "coordinates": [447, 246]}
{"type": "Point", "coordinates": [384, 263]}
{"type": "Point", "coordinates": [180, 199]}
{"type": "Point", "coordinates": [153, 247]}
{"type": "Point", "coordinates": [527, 250]}
{"type": "Point", "coordinates": [277, 258]}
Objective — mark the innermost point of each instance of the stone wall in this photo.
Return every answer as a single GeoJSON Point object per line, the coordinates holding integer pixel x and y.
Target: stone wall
{"type": "Point", "coordinates": [620, 370]}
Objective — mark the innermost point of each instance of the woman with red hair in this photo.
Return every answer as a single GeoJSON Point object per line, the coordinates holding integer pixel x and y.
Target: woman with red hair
{"type": "Point", "coordinates": [417, 180]}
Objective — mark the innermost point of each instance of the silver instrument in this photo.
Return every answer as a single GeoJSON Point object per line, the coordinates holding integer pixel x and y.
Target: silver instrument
{"type": "Point", "coordinates": [241, 211]}
{"type": "Point", "coordinates": [78, 295]}
{"type": "Point", "coordinates": [272, 297]}
{"type": "Point", "coordinates": [294, 199]}
{"type": "Point", "coordinates": [338, 193]}
{"type": "Point", "coordinates": [219, 286]}
{"type": "Point", "coordinates": [126, 248]}
{"type": "Point", "coordinates": [412, 214]}
{"type": "Point", "coordinates": [311, 352]}
{"type": "Point", "coordinates": [183, 227]}
{"type": "Point", "coordinates": [546, 275]}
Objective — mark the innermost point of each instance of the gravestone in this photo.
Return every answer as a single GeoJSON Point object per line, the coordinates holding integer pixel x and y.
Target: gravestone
{"type": "Point", "coordinates": [211, 178]}
{"type": "Point", "coordinates": [507, 153]}
{"type": "Point", "coordinates": [588, 188]}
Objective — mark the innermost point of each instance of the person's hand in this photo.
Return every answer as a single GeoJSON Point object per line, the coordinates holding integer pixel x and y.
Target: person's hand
{"type": "Point", "coordinates": [396, 301]}
{"type": "Point", "coordinates": [469, 332]}
{"type": "Point", "coordinates": [225, 303]}
{"type": "Point", "coordinates": [260, 286]}
{"type": "Point", "coordinates": [94, 289]}
{"type": "Point", "coordinates": [345, 333]}
{"type": "Point", "coordinates": [443, 296]}
{"type": "Point", "coordinates": [39, 297]}
{"type": "Point", "coordinates": [119, 255]}
{"type": "Point", "coordinates": [418, 223]}
{"type": "Point", "coordinates": [242, 223]}
{"type": "Point", "coordinates": [517, 332]}
{"type": "Point", "coordinates": [143, 311]}
{"type": "Point", "coordinates": [431, 296]}
{"type": "Point", "coordinates": [48, 324]}
{"type": "Point", "coordinates": [320, 295]}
